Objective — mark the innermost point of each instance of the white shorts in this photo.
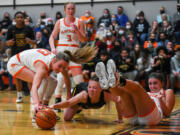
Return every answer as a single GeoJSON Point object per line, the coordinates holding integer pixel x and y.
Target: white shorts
{"type": "Point", "coordinates": [71, 49]}
{"type": "Point", "coordinates": [14, 67]}
{"type": "Point", "coordinates": [151, 118]}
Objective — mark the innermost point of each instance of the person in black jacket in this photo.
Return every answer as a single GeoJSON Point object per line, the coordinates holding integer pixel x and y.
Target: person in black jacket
{"type": "Point", "coordinates": [141, 28]}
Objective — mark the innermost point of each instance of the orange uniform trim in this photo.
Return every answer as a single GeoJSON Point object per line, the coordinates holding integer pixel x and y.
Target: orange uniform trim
{"type": "Point", "coordinates": [73, 45]}
{"type": "Point", "coordinates": [42, 63]}
{"type": "Point", "coordinates": [130, 116]}
{"type": "Point", "coordinates": [146, 114]}
{"type": "Point", "coordinates": [66, 23]}
{"type": "Point", "coordinates": [18, 72]}
{"type": "Point", "coordinates": [18, 57]}
{"type": "Point", "coordinates": [70, 67]}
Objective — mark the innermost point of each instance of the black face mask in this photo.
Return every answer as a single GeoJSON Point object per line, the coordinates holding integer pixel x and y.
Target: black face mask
{"type": "Point", "coordinates": [152, 39]}
{"type": "Point", "coordinates": [6, 17]}
{"type": "Point", "coordinates": [178, 9]}
{"type": "Point", "coordinates": [162, 11]}
{"type": "Point", "coordinates": [162, 39]}
{"type": "Point", "coordinates": [43, 17]}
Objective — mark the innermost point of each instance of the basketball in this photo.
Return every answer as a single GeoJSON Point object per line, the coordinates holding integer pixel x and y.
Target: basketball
{"type": "Point", "coordinates": [46, 118]}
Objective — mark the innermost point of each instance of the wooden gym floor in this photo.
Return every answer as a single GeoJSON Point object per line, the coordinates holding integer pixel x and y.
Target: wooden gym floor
{"type": "Point", "coordinates": [16, 119]}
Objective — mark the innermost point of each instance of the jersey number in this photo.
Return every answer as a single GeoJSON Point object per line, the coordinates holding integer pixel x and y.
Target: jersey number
{"type": "Point", "coordinates": [44, 52]}
{"type": "Point", "coordinates": [69, 38]}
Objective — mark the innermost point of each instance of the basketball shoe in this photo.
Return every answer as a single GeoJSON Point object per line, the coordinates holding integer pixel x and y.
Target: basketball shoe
{"type": "Point", "coordinates": [111, 69]}
{"type": "Point", "coordinates": [101, 73]}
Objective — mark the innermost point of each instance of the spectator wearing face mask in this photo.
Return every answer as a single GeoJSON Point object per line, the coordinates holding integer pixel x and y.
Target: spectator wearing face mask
{"type": "Point", "coordinates": [58, 16]}
{"type": "Point", "coordinates": [121, 18]}
{"type": "Point", "coordinates": [151, 44]}
{"type": "Point", "coordinates": [159, 17]}
{"type": "Point", "coordinates": [105, 18]}
{"type": "Point", "coordinates": [176, 23]}
{"type": "Point", "coordinates": [162, 40]}
{"type": "Point", "coordinates": [141, 28]}
{"type": "Point", "coordinates": [50, 25]}
{"type": "Point", "coordinates": [122, 36]}
{"type": "Point", "coordinates": [114, 27]}
{"type": "Point", "coordinates": [89, 21]}
{"type": "Point", "coordinates": [6, 22]}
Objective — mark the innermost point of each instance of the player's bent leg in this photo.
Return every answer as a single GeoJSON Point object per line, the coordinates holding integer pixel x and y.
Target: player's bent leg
{"type": "Point", "coordinates": [70, 112]}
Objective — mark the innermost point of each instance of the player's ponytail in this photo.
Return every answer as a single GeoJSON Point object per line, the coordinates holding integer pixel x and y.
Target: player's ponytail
{"type": "Point", "coordinates": [82, 55]}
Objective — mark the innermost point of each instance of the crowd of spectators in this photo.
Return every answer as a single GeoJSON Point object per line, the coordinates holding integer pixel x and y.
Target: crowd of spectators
{"type": "Point", "coordinates": [137, 47]}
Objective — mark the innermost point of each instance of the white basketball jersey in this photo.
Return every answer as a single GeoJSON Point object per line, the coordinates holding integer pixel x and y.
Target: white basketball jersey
{"type": "Point", "coordinates": [29, 57]}
{"type": "Point", "coordinates": [67, 34]}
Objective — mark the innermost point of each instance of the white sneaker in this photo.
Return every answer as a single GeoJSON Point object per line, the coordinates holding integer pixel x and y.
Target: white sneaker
{"type": "Point", "coordinates": [111, 69]}
{"type": "Point", "coordinates": [19, 100]}
{"type": "Point", "coordinates": [102, 75]}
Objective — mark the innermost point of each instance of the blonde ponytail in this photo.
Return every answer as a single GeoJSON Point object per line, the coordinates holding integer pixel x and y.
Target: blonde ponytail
{"type": "Point", "coordinates": [82, 55]}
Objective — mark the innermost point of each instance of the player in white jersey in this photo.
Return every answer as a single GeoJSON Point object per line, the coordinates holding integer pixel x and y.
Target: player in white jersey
{"type": "Point", "coordinates": [71, 31]}
{"type": "Point", "coordinates": [35, 65]}
{"type": "Point", "coordinates": [139, 107]}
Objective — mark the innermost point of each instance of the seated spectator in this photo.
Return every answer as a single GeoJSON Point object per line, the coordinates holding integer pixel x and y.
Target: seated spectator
{"type": "Point", "coordinates": [27, 22]}
{"type": "Point", "coordinates": [58, 16]}
{"type": "Point", "coordinates": [141, 28]}
{"type": "Point", "coordinates": [151, 44]}
{"type": "Point", "coordinates": [175, 69]}
{"type": "Point", "coordinates": [105, 19]}
{"type": "Point", "coordinates": [4, 72]}
{"type": "Point", "coordinates": [162, 39]}
{"type": "Point", "coordinates": [109, 40]}
{"type": "Point", "coordinates": [121, 18]}
{"type": "Point", "coordinates": [130, 40]}
{"type": "Point", "coordinates": [136, 52]}
{"type": "Point", "coordinates": [170, 48]}
{"type": "Point", "coordinates": [50, 25]}
{"type": "Point", "coordinates": [115, 51]}
{"type": "Point", "coordinates": [6, 21]}
{"type": "Point", "coordinates": [129, 26]}
{"type": "Point", "coordinates": [39, 40]}
{"type": "Point", "coordinates": [101, 32]}
{"type": "Point", "coordinates": [164, 18]}
{"type": "Point", "coordinates": [168, 30]}
{"type": "Point", "coordinates": [89, 21]}
{"type": "Point", "coordinates": [114, 27]}
{"type": "Point", "coordinates": [121, 36]}
{"type": "Point", "coordinates": [176, 24]}
{"type": "Point", "coordinates": [159, 17]}
{"type": "Point", "coordinates": [125, 64]}
{"type": "Point", "coordinates": [161, 63]}
{"type": "Point", "coordinates": [155, 29]}
{"type": "Point", "coordinates": [143, 66]}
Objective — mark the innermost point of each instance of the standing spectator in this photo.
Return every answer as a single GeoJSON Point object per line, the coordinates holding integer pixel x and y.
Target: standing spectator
{"type": "Point", "coordinates": [121, 18]}
{"type": "Point", "coordinates": [176, 22]}
{"type": "Point", "coordinates": [141, 28]}
{"type": "Point", "coordinates": [175, 69]}
{"type": "Point", "coordinates": [89, 21]}
{"type": "Point", "coordinates": [6, 22]}
{"type": "Point", "coordinates": [19, 38]}
{"type": "Point", "coordinates": [106, 18]}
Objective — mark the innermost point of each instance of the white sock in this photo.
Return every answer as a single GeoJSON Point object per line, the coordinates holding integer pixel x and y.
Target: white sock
{"type": "Point", "coordinates": [19, 94]}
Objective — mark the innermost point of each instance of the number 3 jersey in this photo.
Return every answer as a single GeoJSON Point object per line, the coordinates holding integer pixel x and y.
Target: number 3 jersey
{"type": "Point", "coordinates": [67, 35]}
{"type": "Point", "coordinates": [29, 57]}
